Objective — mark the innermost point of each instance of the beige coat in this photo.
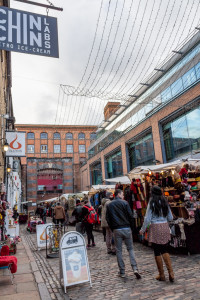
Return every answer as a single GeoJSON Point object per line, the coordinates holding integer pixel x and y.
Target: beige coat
{"type": "Point", "coordinates": [104, 204]}
{"type": "Point", "coordinates": [59, 212]}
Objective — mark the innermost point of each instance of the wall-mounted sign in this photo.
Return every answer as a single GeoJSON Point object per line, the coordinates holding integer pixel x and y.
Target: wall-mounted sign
{"type": "Point", "coordinates": [42, 236]}
{"type": "Point", "coordinates": [74, 268]}
{"type": "Point", "coordinates": [16, 141]}
{"type": "Point", "coordinates": [27, 32]}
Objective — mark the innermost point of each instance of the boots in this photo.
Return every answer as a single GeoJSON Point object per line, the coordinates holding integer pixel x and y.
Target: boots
{"type": "Point", "coordinates": [167, 261]}
{"type": "Point", "coordinates": [159, 262]}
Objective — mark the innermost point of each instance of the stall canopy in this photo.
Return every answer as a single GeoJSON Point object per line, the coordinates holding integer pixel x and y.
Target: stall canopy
{"type": "Point", "coordinates": [122, 179]}
{"type": "Point", "coordinates": [162, 167]}
{"type": "Point", "coordinates": [49, 200]}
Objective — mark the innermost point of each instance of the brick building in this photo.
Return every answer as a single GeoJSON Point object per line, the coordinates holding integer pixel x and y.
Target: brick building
{"type": "Point", "coordinates": [159, 123]}
{"type": "Point", "coordinates": [54, 154]}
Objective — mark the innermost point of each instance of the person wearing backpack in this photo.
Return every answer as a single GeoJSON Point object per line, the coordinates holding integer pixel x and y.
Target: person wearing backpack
{"type": "Point", "coordinates": [88, 219]}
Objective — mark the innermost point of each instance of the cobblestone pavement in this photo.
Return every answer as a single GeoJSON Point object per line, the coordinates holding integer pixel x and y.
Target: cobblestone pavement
{"type": "Point", "coordinates": [107, 284]}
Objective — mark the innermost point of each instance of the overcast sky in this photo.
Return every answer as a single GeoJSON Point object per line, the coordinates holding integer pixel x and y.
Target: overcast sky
{"type": "Point", "coordinates": [132, 38]}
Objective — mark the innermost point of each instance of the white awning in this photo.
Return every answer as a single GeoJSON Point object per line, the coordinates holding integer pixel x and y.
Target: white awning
{"type": "Point", "coordinates": [122, 179]}
{"type": "Point", "coordinates": [102, 187]}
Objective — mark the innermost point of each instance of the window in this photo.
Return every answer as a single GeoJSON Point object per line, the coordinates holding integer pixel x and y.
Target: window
{"type": "Point", "coordinates": [181, 136]}
{"type": "Point", "coordinates": [30, 136]}
{"type": "Point", "coordinates": [189, 78]}
{"type": "Point", "coordinates": [96, 173]}
{"type": "Point", "coordinates": [93, 136]}
{"type": "Point", "coordinates": [44, 148]}
{"type": "Point", "coordinates": [56, 136]}
{"type": "Point", "coordinates": [197, 69]}
{"type": "Point", "coordinates": [43, 136]}
{"type": "Point", "coordinates": [56, 148]}
{"type": "Point", "coordinates": [69, 136]}
{"type": "Point", "coordinates": [114, 164]}
{"type": "Point", "coordinates": [30, 148]}
{"type": "Point", "coordinates": [81, 148]}
{"type": "Point", "coordinates": [69, 149]}
{"type": "Point", "coordinates": [81, 136]}
{"type": "Point", "coordinates": [177, 87]}
{"type": "Point", "coordinates": [141, 152]}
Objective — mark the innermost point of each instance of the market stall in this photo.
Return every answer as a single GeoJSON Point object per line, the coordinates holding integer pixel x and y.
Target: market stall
{"type": "Point", "coordinates": [180, 181]}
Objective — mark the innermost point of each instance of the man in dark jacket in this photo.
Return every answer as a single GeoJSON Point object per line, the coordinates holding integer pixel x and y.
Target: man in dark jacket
{"type": "Point", "coordinates": [120, 220]}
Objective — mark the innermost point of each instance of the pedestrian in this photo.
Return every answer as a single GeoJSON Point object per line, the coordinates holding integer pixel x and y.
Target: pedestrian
{"type": "Point", "coordinates": [77, 213]}
{"type": "Point", "coordinates": [44, 214]}
{"type": "Point", "coordinates": [59, 214]}
{"type": "Point", "coordinates": [120, 220]}
{"type": "Point", "coordinates": [104, 224]}
{"type": "Point", "coordinates": [99, 211]}
{"type": "Point", "coordinates": [88, 226]}
{"type": "Point", "coordinates": [157, 215]}
{"type": "Point", "coordinates": [66, 212]}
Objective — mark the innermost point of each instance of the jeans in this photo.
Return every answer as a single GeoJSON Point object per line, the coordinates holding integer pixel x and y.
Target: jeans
{"type": "Point", "coordinates": [109, 244]}
{"type": "Point", "coordinates": [88, 229]}
{"type": "Point", "coordinates": [125, 235]}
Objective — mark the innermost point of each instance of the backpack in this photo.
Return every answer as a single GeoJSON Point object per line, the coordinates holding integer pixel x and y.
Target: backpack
{"type": "Point", "coordinates": [91, 217]}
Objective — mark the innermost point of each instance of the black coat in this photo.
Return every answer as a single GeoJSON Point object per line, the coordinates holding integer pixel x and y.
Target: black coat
{"type": "Point", "coordinates": [119, 215]}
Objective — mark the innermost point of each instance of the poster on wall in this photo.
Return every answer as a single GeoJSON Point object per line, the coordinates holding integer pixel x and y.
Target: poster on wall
{"type": "Point", "coordinates": [27, 32]}
{"type": "Point", "coordinates": [42, 236]}
{"type": "Point", "coordinates": [74, 267]}
{"type": "Point", "coordinates": [16, 141]}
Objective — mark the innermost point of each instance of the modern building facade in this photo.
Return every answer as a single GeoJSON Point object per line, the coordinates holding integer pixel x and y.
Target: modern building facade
{"type": "Point", "coordinates": [159, 123]}
{"type": "Point", "coordinates": [54, 155]}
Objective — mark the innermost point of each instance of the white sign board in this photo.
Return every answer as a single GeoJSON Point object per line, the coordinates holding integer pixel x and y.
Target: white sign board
{"type": "Point", "coordinates": [16, 141]}
{"type": "Point", "coordinates": [73, 255]}
{"type": "Point", "coordinates": [41, 235]}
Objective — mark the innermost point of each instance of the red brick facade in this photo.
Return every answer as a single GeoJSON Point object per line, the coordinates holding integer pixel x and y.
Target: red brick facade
{"type": "Point", "coordinates": [58, 160]}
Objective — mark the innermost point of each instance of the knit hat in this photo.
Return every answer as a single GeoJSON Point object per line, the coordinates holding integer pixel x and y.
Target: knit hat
{"type": "Point", "coordinates": [156, 190]}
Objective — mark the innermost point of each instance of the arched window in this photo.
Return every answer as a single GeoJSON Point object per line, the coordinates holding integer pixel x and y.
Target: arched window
{"type": "Point", "coordinates": [69, 136]}
{"type": "Point", "coordinates": [81, 136]}
{"type": "Point", "coordinates": [56, 136]}
{"type": "Point", "coordinates": [30, 136]}
{"type": "Point", "coordinates": [93, 136]}
{"type": "Point", "coordinates": [43, 136]}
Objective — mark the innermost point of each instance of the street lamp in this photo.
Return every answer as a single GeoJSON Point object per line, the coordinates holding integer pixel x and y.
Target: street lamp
{"type": "Point", "coordinates": [6, 146]}
{"type": "Point", "coordinates": [8, 168]}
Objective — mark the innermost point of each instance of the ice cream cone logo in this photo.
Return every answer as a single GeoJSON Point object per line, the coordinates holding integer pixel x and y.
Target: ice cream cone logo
{"type": "Point", "coordinates": [14, 142]}
{"type": "Point", "coordinates": [43, 236]}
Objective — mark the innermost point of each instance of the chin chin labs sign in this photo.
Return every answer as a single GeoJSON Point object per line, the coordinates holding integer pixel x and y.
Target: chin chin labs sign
{"type": "Point", "coordinates": [27, 32]}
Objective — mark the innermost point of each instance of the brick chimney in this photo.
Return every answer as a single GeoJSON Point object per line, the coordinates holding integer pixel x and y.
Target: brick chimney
{"type": "Point", "coordinates": [110, 109]}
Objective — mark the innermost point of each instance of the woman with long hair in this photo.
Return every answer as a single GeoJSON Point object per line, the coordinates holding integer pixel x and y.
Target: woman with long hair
{"type": "Point", "coordinates": [157, 215]}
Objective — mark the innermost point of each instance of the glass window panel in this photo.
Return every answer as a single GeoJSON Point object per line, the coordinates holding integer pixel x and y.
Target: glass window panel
{"type": "Point", "coordinates": [197, 69]}
{"type": "Point", "coordinates": [177, 87]}
{"type": "Point", "coordinates": [93, 136]}
{"type": "Point", "coordinates": [141, 152]}
{"type": "Point", "coordinates": [166, 94]}
{"type": "Point", "coordinates": [81, 148]}
{"type": "Point", "coordinates": [56, 136]}
{"type": "Point", "coordinates": [30, 148]}
{"type": "Point", "coordinates": [189, 78]}
{"type": "Point", "coordinates": [182, 135]}
{"type": "Point", "coordinates": [30, 136]}
{"type": "Point", "coordinates": [81, 136]}
{"type": "Point", "coordinates": [43, 136]}
{"type": "Point", "coordinates": [69, 136]}
{"type": "Point", "coordinates": [56, 148]}
{"type": "Point", "coordinates": [96, 173]}
{"type": "Point", "coordinates": [70, 149]}
{"type": "Point", "coordinates": [44, 148]}
{"type": "Point", "coordinates": [114, 165]}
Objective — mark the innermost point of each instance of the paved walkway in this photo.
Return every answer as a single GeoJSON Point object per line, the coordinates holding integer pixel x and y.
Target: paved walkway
{"type": "Point", "coordinates": [38, 278]}
{"type": "Point", "coordinates": [106, 283]}
{"type": "Point", "coordinates": [25, 287]}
